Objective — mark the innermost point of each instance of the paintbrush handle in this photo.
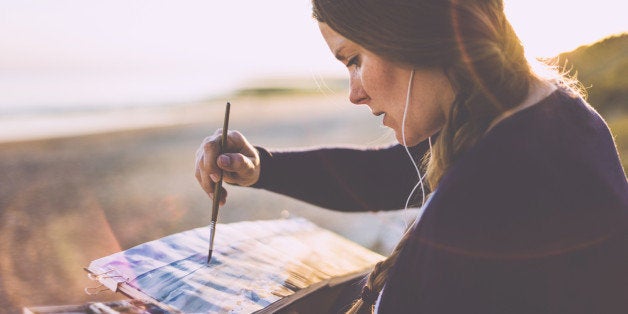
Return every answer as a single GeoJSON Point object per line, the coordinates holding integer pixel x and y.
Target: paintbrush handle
{"type": "Point", "coordinates": [218, 186]}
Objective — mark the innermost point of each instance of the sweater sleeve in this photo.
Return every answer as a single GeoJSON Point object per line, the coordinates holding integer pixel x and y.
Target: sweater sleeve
{"type": "Point", "coordinates": [343, 178]}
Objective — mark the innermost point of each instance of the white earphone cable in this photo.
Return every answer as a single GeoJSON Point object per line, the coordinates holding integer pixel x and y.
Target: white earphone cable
{"type": "Point", "coordinates": [403, 137]}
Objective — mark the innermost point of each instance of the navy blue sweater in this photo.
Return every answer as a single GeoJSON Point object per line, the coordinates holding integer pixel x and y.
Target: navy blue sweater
{"type": "Point", "coordinates": [532, 219]}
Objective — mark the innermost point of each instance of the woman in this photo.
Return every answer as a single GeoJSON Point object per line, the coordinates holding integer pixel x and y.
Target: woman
{"type": "Point", "coordinates": [528, 211]}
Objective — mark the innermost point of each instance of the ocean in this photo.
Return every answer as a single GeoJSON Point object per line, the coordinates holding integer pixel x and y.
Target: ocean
{"type": "Point", "coordinates": [48, 104]}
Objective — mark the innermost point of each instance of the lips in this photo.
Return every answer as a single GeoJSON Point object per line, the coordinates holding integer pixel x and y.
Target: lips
{"type": "Point", "coordinates": [379, 113]}
{"type": "Point", "coordinates": [384, 120]}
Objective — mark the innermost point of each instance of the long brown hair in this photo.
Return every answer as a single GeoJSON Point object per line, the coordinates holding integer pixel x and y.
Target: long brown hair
{"type": "Point", "coordinates": [471, 40]}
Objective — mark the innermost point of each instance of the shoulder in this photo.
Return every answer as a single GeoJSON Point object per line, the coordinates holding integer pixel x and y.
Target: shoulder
{"type": "Point", "coordinates": [552, 168]}
{"type": "Point", "coordinates": [560, 133]}
{"type": "Point", "coordinates": [560, 118]}
{"type": "Point", "coordinates": [543, 186]}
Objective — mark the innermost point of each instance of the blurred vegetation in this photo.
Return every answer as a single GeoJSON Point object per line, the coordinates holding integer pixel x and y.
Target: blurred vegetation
{"type": "Point", "coordinates": [292, 87]}
{"type": "Point", "coordinates": [271, 91]}
{"type": "Point", "coordinates": [619, 128]}
{"type": "Point", "coordinates": [602, 68]}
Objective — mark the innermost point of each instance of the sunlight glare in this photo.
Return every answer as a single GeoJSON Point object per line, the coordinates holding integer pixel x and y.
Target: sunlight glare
{"type": "Point", "coordinates": [548, 28]}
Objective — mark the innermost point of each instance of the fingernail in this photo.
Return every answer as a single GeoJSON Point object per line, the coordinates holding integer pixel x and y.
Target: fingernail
{"type": "Point", "coordinates": [224, 160]}
{"type": "Point", "coordinates": [211, 195]}
{"type": "Point", "coordinates": [214, 177]}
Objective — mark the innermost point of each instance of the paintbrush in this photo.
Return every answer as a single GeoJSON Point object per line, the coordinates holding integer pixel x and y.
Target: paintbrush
{"type": "Point", "coordinates": [218, 186]}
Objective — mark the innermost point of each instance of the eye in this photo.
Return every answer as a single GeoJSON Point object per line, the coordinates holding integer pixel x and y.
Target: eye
{"type": "Point", "coordinates": [355, 60]}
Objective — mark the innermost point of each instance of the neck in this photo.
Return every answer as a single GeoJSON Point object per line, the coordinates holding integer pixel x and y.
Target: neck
{"type": "Point", "coordinates": [539, 89]}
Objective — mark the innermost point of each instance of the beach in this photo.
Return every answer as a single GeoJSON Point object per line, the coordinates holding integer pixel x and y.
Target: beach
{"type": "Point", "coordinates": [102, 183]}
{"type": "Point", "coordinates": [72, 197]}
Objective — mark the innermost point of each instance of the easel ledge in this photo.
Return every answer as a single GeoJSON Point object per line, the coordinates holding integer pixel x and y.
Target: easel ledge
{"type": "Point", "coordinates": [322, 297]}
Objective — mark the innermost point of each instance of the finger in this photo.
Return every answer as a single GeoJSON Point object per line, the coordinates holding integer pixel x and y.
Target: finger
{"type": "Point", "coordinates": [208, 187]}
{"type": "Point", "coordinates": [223, 196]}
{"type": "Point", "coordinates": [198, 164]}
{"type": "Point", "coordinates": [203, 177]}
{"type": "Point", "coordinates": [242, 167]}
{"type": "Point", "coordinates": [211, 148]}
{"type": "Point", "coordinates": [236, 142]}
{"type": "Point", "coordinates": [237, 169]}
{"type": "Point", "coordinates": [197, 175]}
{"type": "Point", "coordinates": [233, 162]}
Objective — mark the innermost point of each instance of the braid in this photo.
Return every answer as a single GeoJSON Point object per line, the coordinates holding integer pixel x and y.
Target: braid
{"type": "Point", "coordinates": [376, 280]}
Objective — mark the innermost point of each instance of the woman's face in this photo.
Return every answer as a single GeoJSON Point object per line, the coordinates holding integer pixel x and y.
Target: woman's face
{"type": "Point", "coordinates": [383, 85]}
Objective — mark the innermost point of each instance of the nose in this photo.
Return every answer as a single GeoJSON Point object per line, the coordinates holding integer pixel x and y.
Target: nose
{"type": "Point", "coordinates": [357, 95]}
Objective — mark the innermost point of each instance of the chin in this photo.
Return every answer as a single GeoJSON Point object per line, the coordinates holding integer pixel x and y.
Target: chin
{"type": "Point", "coordinates": [410, 140]}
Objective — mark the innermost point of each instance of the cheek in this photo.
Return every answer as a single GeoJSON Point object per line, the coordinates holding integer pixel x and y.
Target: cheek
{"type": "Point", "coordinates": [426, 115]}
{"type": "Point", "coordinates": [382, 83]}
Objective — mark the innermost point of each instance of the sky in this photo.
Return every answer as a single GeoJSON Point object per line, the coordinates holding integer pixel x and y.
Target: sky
{"type": "Point", "coordinates": [119, 52]}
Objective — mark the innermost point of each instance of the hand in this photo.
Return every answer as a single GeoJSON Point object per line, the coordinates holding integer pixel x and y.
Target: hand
{"type": "Point", "coordinates": [239, 162]}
